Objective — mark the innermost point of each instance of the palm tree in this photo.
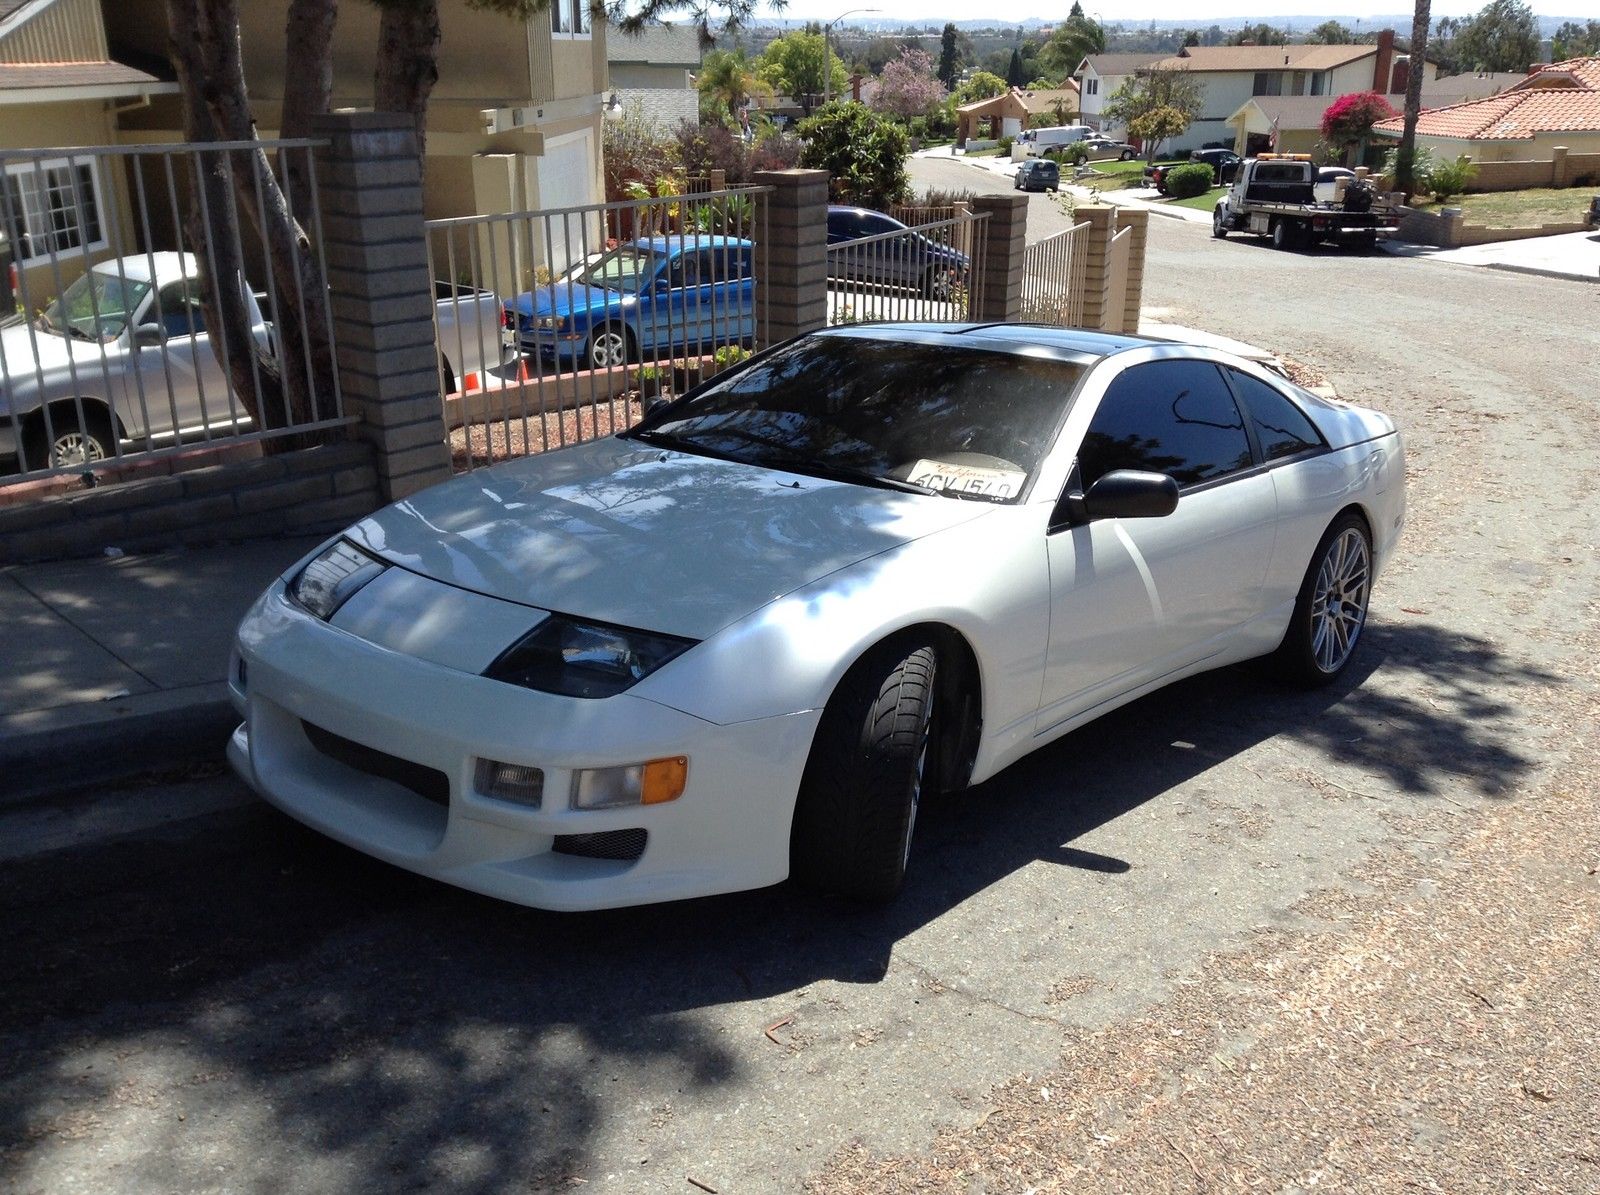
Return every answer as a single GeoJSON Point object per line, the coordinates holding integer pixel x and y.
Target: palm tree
{"type": "Point", "coordinates": [1404, 180]}
{"type": "Point", "coordinates": [727, 79]}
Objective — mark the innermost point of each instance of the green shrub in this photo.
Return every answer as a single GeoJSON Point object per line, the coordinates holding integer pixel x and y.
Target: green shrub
{"type": "Point", "coordinates": [918, 128]}
{"type": "Point", "coordinates": [1448, 179]}
{"type": "Point", "coordinates": [864, 154]}
{"type": "Point", "coordinates": [1005, 145]}
{"type": "Point", "coordinates": [1077, 153]}
{"type": "Point", "coordinates": [1189, 180]}
{"type": "Point", "coordinates": [729, 355]}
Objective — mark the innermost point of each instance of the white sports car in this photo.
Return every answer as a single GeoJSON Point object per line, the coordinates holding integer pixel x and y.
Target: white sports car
{"type": "Point", "coordinates": [738, 642]}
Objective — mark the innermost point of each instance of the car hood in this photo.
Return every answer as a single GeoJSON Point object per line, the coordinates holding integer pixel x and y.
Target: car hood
{"type": "Point", "coordinates": [564, 300]}
{"type": "Point", "coordinates": [624, 533]}
{"type": "Point", "coordinates": [28, 350]}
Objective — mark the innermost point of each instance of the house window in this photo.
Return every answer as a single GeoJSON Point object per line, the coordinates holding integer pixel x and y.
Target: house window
{"type": "Point", "coordinates": [51, 207]}
{"type": "Point", "coordinates": [1319, 83]}
{"type": "Point", "coordinates": [1299, 83]}
{"type": "Point", "coordinates": [1268, 83]}
{"type": "Point", "coordinates": [1091, 87]}
{"type": "Point", "coordinates": [569, 18]}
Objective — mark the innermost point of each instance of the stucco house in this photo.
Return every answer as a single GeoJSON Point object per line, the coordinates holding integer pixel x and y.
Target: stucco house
{"type": "Point", "coordinates": [1007, 114]}
{"type": "Point", "coordinates": [514, 121]}
{"type": "Point", "coordinates": [653, 71]}
{"type": "Point", "coordinates": [60, 85]}
{"type": "Point", "coordinates": [1230, 76]}
{"type": "Point", "coordinates": [1098, 77]}
{"type": "Point", "coordinates": [1297, 119]}
{"type": "Point", "coordinates": [1555, 104]}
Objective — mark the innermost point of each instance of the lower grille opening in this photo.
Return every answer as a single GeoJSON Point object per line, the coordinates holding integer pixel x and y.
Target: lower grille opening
{"type": "Point", "coordinates": [428, 783]}
{"type": "Point", "coordinates": [610, 844]}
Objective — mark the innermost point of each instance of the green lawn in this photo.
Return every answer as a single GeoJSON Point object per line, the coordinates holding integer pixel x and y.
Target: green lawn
{"type": "Point", "coordinates": [1521, 209]}
{"type": "Point", "coordinates": [1203, 203]}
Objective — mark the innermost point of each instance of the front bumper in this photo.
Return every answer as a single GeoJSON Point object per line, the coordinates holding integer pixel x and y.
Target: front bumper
{"type": "Point", "coordinates": [729, 831]}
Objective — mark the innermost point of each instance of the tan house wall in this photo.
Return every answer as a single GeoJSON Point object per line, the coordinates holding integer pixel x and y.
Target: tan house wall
{"type": "Point", "coordinates": [1548, 165]}
{"type": "Point", "coordinates": [77, 123]}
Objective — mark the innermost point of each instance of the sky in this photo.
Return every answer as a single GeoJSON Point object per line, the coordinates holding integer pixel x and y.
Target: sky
{"type": "Point", "coordinates": [1140, 11]}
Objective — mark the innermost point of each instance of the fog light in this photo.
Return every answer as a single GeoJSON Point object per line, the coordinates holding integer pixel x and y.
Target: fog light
{"type": "Point", "coordinates": [651, 783]}
{"type": "Point", "coordinates": [512, 782]}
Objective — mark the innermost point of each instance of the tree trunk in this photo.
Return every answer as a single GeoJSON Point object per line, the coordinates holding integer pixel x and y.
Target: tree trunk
{"type": "Point", "coordinates": [308, 53]}
{"type": "Point", "coordinates": [204, 49]}
{"type": "Point", "coordinates": [1405, 156]}
{"type": "Point", "coordinates": [408, 62]}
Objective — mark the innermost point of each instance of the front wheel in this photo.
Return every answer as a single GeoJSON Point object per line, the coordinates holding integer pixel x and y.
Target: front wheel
{"type": "Point", "coordinates": [858, 799]}
{"type": "Point", "coordinates": [66, 442]}
{"type": "Point", "coordinates": [1219, 228]}
{"type": "Point", "coordinates": [938, 284]}
{"type": "Point", "coordinates": [607, 348]}
{"type": "Point", "coordinates": [1330, 611]}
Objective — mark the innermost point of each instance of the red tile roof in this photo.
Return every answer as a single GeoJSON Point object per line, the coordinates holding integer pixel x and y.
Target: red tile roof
{"type": "Point", "coordinates": [1563, 97]}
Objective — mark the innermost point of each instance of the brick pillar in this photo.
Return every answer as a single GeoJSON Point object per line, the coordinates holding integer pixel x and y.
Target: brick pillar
{"type": "Point", "coordinates": [791, 254]}
{"type": "Point", "coordinates": [1001, 241]}
{"type": "Point", "coordinates": [1138, 224]}
{"type": "Point", "coordinates": [382, 294]}
{"type": "Point", "coordinates": [1096, 275]}
{"type": "Point", "coordinates": [1558, 166]}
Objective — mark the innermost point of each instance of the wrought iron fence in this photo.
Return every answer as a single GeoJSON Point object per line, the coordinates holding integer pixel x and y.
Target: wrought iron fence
{"type": "Point", "coordinates": [1053, 276]}
{"type": "Point", "coordinates": [120, 264]}
{"type": "Point", "coordinates": [557, 327]}
{"type": "Point", "coordinates": [928, 272]}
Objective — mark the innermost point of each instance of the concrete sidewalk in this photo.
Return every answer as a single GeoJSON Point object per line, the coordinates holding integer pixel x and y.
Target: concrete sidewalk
{"type": "Point", "coordinates": [115, 666]}
{"type": "Point", "coordinates": [1573, 255]}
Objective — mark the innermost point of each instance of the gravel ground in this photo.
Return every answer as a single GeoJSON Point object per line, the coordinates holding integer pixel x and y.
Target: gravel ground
{"type": "Point", "coordinates": [494, 442]}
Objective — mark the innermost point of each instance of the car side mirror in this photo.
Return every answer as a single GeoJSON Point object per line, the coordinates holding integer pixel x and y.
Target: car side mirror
{"type": "Point", "coordinates": [148, 335]}
{"type": "Point", "coordinates": [1120, 494]}
{"type": "Point", "coordinates": [654, 404]}
{"type": "Point", "coordinates": [662, 286]}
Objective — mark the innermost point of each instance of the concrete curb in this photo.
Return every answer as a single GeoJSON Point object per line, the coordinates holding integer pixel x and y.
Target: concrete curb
{"type": "Point", "coordinates": [45, 752]}
{"type": "Point", "coordinates": [1534, 270]}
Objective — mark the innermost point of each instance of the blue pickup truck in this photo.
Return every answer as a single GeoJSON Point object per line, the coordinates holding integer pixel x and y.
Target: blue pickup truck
{"type": "Point", "coordinates": [646, 299]}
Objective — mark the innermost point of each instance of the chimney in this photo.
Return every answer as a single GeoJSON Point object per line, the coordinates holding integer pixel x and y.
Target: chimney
{"type": "Point", "coordinates": [1385, 61]}
{"type": "Point", "coordinates": [1402, 76]}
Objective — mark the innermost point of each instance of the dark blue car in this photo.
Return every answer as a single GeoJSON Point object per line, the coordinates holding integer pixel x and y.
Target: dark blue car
{"type": "Point", "coordinates": [647, 299]}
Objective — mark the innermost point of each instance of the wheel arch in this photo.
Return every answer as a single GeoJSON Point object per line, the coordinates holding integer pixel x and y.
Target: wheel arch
{"type": "Point", "coordinates": [67, 409]}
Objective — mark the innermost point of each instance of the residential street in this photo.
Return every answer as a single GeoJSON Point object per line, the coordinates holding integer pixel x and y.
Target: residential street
{"type": "Point", "coordinates": [1230, 937]}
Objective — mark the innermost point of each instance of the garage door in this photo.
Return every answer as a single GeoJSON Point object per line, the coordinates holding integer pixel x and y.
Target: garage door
{"type": "Point", "coordinates": [566, 180]}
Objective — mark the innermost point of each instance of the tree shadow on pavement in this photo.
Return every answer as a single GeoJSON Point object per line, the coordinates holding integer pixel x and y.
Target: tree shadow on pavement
{"type": "Point", "coordinates": [377, 1024]}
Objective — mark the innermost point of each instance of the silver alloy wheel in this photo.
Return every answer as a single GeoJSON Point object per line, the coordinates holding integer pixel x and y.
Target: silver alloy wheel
{"type": "Point", "coordinates": [608, 349]}
{"type": "Point", "coordinates": [75, 448]}
{"type": "Point", "coordinates": [939, 285]}
{"type": "Point", "coordinates": [1339, 600]}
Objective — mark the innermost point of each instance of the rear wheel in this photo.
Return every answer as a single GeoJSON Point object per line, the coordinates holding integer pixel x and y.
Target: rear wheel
{"type": "Point", "coordinates": [1127, 155]}
{"type": "Point", "coordinates": [1330, 611]}
{"type": "Point", "coordinates": [858, 800]}
{"type": "Point", "coordinates": [1283, 234]}
{"type": "Point", "coordinates": [937, 283]}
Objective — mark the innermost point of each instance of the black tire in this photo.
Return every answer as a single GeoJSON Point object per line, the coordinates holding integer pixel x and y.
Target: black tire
{"type": "Point", "coordinates": [65, 444]}
{"type": "Point", "coordinates": [608, 335]}
{"type": "Point", "coordinates": [1218, 228]}
{"type": "Point", "coordinates": [857, 807]}
{"type": "Point", "coordinates": [447, 375]}
{"type": "Point", "coordinates": [937, 283]}
{"type": "Point", "coordinates": [1283, 234]}
{"type": "Point", "coordinates": [1301, 658]}
{"type": "Point", "coordinates": [1127, 155]}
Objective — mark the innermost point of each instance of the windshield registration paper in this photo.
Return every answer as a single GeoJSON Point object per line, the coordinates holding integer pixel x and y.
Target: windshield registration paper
{"type": "Point", "coordinates": [969, 479]}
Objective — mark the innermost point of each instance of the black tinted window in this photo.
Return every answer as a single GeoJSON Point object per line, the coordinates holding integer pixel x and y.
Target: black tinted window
{"type": "Point", "coordinates": [965, 422]}
{"type": "Point", "coordinates": [1172, 417]}
{"type": "Point", "coordinates": [1282, 427]}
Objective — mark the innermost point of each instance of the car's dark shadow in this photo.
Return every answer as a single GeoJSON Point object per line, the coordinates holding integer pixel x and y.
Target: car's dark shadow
{"type": "Point", "coordinates": [360, 1000]}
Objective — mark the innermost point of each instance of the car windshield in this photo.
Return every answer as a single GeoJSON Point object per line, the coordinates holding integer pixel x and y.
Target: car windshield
{"type": "Point", "coordinates": [627, 269]}
{"type": "Point", "coordinates": [961, 422]}
{"type": "Point", "coordinates": [110, 297]}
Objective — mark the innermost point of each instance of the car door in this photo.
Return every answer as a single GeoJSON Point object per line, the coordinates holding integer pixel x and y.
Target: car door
{"type": "Point", "coordinates": [182, 383]}
{"type": "Point", "coordinates": [663, 316]}
{"type": "Point", "coordinates": [731, 317]}
{"type": "Point", "coordinates": [1133, 600]}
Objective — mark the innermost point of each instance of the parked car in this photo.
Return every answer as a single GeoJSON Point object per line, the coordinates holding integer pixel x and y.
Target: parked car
{"type": "Point", "coordinates": [651, 297]}
{"type": "Point", "coordinates": [1327, 184]}
{"type": "Point", "coordinates": [1224, 163]}
{"type": "Point", "coordinates": [1102, 149]}
{"type": "Point", "coordinates": [124, 355]}
{"type": "Point", "coordinates": [1037, 174]}
{"type": "Point", "coordinates": [1059, 135]}
{"type": "Point", "coordinates": [883, 250]}
{"type": "Point", "coordinates": [740, 641]}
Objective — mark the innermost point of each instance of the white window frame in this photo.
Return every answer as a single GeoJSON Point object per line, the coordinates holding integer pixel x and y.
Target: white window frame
{"type": "Point", "coordinates": [37, 171]}
{"type": "Point", "coordinates": [573, 18]}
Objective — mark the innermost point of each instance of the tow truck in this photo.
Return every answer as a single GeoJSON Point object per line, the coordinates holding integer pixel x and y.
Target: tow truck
{"type": "Point", "coordinates": [1273, 195]}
